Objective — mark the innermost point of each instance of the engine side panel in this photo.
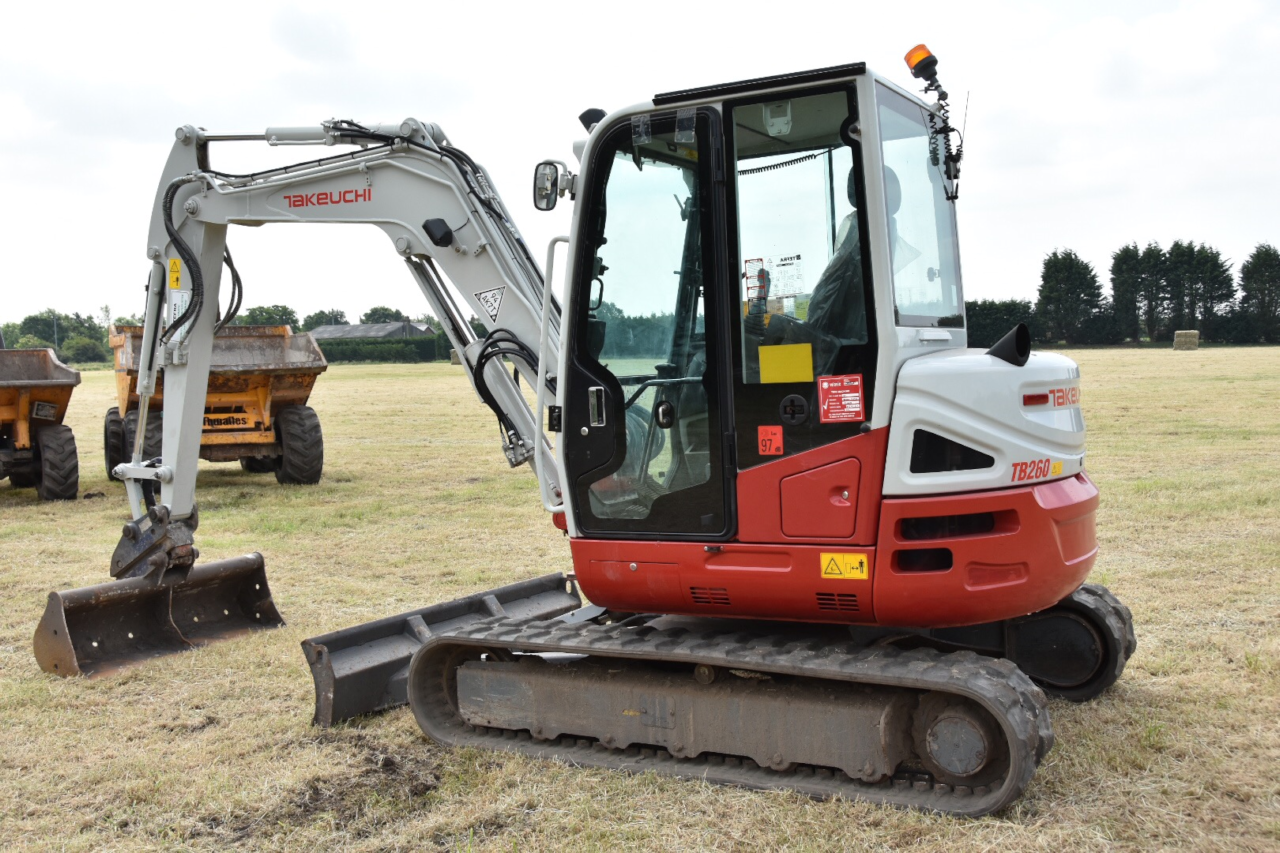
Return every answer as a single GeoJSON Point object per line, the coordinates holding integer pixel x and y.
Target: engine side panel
{"type": "Point", "coordinates": [982, 403]}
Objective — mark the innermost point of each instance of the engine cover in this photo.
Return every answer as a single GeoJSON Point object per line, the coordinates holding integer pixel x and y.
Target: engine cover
{"type": "Point", "coordinates": [1014, 425]}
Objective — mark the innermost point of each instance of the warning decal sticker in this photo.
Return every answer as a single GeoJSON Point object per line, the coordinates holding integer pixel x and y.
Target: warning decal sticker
{"type": "Point", "coordinates": [770, 439]}
{"type": "Point", "coordinates": [491, 301]}
{"type": "Point", "coordinates": [850, 567]}
{"type": "Point", "coordinates": [175, 274]}
{"type": "Point", "coordinates": [840, 399]}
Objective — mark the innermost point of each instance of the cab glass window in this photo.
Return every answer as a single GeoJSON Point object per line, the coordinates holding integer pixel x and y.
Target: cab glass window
{"type": "Point", "coordinates": [801, 273]}
{"type": "Point", "coordinates": [646, 337]}
{"type": "Point", "coordinates": [922, 228]}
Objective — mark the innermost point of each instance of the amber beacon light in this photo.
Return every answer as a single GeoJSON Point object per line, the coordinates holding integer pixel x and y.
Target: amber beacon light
{"type": "Point", "coordinates": [922, 62]}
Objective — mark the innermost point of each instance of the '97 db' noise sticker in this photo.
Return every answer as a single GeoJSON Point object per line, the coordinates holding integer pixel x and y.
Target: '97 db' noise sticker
{"type": "Point", "coordinates": [851, 567]}
{"type": "Point", "coordinates": [770, 440]}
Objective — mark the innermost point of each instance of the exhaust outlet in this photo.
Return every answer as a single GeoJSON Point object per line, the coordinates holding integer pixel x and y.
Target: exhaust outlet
{"type": "Point", "coordinates": [1014, 347]}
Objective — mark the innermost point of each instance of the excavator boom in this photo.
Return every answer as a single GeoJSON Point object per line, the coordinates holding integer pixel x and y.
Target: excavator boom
{"type": "Point", "coordinates": [443, 217]}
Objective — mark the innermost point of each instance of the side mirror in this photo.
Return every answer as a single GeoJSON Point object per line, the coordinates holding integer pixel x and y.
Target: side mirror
{"type": "Point", "coordinates": [546, 185]}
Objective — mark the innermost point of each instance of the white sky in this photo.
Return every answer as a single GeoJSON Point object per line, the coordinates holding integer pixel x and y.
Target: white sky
{"type": "Point", "coordinates": [1090, 125]}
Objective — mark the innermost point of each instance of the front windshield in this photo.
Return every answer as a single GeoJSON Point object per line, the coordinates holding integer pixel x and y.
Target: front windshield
{"type": "Point", "coordinates": [922, 230]}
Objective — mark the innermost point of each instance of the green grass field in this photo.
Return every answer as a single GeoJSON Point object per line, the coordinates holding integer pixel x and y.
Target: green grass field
{"type": "Point", "coordinates": [214, 748]}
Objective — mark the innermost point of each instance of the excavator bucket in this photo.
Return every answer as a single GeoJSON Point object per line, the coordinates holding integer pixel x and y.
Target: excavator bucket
{"type": "Point", "coordinates": [365, 668]}
{"type": "Point", "coordinates": [104, 628]}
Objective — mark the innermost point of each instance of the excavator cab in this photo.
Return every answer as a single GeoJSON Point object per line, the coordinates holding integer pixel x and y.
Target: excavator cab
{"type": "Point", "coordinates": [732, 248]}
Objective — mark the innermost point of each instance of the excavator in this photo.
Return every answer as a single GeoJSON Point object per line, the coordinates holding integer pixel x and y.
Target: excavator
{"type": "Point", "coordinates": [817, 542]}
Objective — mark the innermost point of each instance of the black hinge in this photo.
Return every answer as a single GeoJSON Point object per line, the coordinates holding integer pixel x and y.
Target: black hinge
{"type": "Point", "coordinates": [555, 419]}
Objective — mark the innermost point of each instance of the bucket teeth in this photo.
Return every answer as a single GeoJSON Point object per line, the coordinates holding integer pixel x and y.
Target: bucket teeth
{"type": "Point", "coordinates": [107, 627]}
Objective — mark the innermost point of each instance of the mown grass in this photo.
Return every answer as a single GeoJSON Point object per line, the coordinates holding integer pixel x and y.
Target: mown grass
{"type": "Point", "coordinates": [214, 749]}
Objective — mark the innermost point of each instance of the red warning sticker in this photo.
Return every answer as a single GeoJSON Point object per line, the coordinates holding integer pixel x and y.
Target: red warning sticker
{"type": "Point", "coordinates": [840, 399]}
{"type": "Point", "coordinates": [770, 438]}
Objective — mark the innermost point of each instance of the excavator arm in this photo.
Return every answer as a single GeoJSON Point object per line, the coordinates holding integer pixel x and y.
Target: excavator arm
{"type": "Point", "coordinates": [443, 217]}
{"type": "Point", "coordinates": [448, 224]}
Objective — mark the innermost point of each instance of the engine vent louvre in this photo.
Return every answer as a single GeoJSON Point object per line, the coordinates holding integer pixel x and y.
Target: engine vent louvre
{"type": "Point", "coordinates": [717, 595]}
{"type": "Point", "coordinates": [932, 453]}
{"type": "Point", "coordinates": [846, 601]}
{"type": "Point", "coordinates": [948, 526]}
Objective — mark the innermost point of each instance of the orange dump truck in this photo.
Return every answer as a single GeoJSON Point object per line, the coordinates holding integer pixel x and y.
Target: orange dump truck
{"type": "Point", "coordinates": [36, 448]}
{"type": "Point", "coordinates": [255, 410]}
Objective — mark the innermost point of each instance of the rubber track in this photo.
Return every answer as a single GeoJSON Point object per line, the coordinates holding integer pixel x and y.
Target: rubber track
{"type": "Point", "coordinates": [59, 464]}
{"type": "Point", "coordinates": [302, 446]}
{"type": "Point", "coordinates": [996, 684]}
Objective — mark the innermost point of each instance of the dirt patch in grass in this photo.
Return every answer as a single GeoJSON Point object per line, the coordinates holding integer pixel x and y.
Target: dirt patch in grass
{"type": "Point", "coordinates": [377, 779]}
{"type": "Point", "coordinates": [214, 749]}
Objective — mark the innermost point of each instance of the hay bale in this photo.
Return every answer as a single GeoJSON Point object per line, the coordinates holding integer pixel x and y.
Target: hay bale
{"type": "Point", "coordinates": [1186, 340]}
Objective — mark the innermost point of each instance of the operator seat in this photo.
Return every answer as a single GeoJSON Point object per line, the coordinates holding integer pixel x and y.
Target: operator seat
{"type": "Point", "coordinates": [837, 315]}
{"type": "Point", "coordinates": [838, 307]}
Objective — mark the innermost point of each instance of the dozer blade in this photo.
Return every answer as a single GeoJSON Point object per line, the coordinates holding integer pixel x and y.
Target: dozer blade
{"type": "Point", "coordinates": [365, 668]}
{"type": "Point", "coordinates": [104, 628]}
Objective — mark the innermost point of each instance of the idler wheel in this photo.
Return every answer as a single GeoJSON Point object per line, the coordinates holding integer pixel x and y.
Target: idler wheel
{"type": "Point", "coordinates": [958, 741]}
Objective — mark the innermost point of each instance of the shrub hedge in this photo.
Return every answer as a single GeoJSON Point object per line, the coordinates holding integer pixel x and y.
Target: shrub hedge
{"type": "Point", "coordinates": [398, 350]}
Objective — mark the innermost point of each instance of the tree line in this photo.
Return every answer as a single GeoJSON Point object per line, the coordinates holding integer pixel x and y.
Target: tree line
{"type": "Point", "coordinates": [80, 338]}
{"type": "Point", "coordinates": [1154, 293]}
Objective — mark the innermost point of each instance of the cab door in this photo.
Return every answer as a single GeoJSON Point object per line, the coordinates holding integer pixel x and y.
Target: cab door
{"type": "Point", "coordinates": [804, 338]}
{"type": "Point", "coordinates": [645, 420]}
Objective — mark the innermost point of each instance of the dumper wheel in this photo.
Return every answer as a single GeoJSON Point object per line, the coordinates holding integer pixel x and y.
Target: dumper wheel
{"type": "Point", "coordinates": [59, 465]}
{"type": "Point", "coordinates": [113, 439]}
{"type": "Point", "coordinates": [260, 464]}
{"type": "Point", "coordinates": [153, 440]}
{"type": "Point", "coordinates": [302, 446]}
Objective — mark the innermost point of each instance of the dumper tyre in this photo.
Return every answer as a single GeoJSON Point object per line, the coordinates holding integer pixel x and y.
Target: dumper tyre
{"type": "Point", "coordinates": [151, 442]}
{"type": "Point", "coordinates": [301, 444]}
{"type": "Point", "coordinates": [113, 440]}
{"type": "Point", "coordinates": [59, 464]}
{"type": "Point", "coordinates": [260, 464]}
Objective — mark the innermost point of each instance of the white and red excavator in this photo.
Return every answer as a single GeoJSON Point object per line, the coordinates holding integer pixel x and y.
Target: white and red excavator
{"type": "Point", "coordinates": [816, 542]}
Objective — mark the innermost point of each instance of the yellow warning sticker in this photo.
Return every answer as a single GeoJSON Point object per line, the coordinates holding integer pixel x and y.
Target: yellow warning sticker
{"type": "Point", "coordinates": [786, 363]}
{"type": "Point", "coordinates": [175, 274]}
{"type": "Point", "coordinates": [1055, 470]}
{"type": "Point", "coordinates": [850, 567]}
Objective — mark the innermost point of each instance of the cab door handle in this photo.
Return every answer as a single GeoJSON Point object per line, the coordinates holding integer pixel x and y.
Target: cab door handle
{"type": "Point", "coordinates": [595, 405]}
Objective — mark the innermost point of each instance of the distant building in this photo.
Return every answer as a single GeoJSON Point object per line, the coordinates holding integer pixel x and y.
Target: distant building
{"type": "Point", "coordinates": [370, 331]}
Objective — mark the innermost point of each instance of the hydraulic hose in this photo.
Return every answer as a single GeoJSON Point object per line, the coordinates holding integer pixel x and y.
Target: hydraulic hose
{"type": "Point", "coordinates": [237, 292]}
{"type": "Point", "coordinates": [192, 312]}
